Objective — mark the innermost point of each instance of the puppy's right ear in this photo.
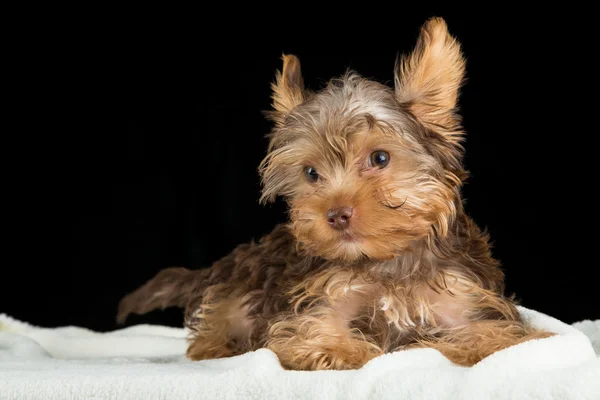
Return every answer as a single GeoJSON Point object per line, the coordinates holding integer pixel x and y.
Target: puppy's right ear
{"type": "Point", "coordinates": [288, 89]}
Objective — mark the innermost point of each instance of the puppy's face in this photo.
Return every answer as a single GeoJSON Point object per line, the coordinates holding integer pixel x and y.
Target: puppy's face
{"type": "Point", "coordinates": [368, 169]}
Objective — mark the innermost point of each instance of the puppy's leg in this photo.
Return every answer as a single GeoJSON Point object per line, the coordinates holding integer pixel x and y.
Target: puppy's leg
{"type": "Point", "coordinates": [470, 344]}
{"type": "Point", "coordinates": [220, 325]}
{"type": "Point", "coordinates": [475, 323]}
{"type": "Point", "coordinates": [319, 339]}
{"type": "Point", "coordinates": [210, 338]}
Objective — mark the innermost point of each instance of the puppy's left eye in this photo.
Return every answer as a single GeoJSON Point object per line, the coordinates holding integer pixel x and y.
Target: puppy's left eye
{"type": "Point", "coordinates": [311, 174]}
{"type": "Point", "coordinates": [379, 158]}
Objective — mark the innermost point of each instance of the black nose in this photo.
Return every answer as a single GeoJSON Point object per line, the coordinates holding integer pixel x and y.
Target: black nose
{"type": "Point", "coordinates": [339, 218]}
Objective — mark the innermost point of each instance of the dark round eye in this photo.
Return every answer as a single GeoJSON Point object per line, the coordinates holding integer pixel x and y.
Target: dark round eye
{"type": "Point", "coordinates": [311, 174]}
{"type": "Point", "coordinates": [379, 158]}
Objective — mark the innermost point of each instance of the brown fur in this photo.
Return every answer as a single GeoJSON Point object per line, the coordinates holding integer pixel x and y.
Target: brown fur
{"type": "Point", "coordinates": [412, 269]}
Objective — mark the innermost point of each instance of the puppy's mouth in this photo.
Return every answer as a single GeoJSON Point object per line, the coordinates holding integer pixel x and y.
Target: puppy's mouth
{"type": "Point", "coordinates": [348, 237]}
{"type": "Point", "coordinates": [353, 236]}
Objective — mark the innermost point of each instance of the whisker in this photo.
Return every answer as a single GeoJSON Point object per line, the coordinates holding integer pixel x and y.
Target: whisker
{"type": "Point", "coordinates": [396, 207]}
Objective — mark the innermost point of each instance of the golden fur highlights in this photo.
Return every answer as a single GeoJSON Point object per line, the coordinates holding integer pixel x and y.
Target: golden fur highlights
{"type": "Point", "coordinates": [378, 254]}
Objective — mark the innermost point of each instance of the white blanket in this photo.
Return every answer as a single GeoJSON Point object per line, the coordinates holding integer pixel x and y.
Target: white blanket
{"type": "Point", "coordinates": [147, 362]}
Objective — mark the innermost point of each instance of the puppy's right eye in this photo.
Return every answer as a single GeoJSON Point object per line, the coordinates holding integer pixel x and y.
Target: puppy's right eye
{"type": "Point", "coordinates": [311, 174]}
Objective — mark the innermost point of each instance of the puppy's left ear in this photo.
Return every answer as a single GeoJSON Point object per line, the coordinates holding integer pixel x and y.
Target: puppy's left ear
{"type": "Point", "coordinates": [288, 89]}
{"type": "Point", "coordinates": [429, 79]}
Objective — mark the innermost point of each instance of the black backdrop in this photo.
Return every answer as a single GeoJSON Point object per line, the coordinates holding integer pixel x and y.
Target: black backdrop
{"type": "Point", "coordinates": [149, 132]}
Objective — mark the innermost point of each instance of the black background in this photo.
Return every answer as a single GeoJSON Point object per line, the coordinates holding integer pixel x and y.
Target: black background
{"type": "Point", "coordinates": [139, 138]}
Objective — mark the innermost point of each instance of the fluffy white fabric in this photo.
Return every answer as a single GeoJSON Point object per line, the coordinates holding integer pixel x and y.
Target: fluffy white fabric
{"type": "Point", "coordinates": [147, 362]}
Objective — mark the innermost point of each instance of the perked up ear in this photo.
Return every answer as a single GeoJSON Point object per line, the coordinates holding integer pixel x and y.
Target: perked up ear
{"type": "Point", "coordinates": [428, 80]}
{"type": "Point", "coordinates": [288, 89]}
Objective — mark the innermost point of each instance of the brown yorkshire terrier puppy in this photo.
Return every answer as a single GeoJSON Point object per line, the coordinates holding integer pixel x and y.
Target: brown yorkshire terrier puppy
{"type": "Point", "coordinates": [378, 255]}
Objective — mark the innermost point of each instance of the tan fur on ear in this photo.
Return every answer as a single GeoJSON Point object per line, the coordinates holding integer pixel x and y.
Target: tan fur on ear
{"type": "Point", "coordinates": [429, 79]}
{"type": "Point", "coordinates": [288, 89]}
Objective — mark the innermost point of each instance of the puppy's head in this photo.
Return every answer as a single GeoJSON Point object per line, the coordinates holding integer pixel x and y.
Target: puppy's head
{"type": "Point", "coordinates": [369, 169]}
